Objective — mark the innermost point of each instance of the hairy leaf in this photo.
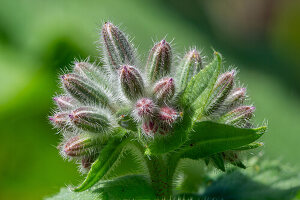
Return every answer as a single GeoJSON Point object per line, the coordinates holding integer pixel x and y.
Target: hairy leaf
{"type": "Point", "coordinates": [208, 138]}
{"type": "Point", "coordinates": [126, 187]}
{"type": "Point", "coordinates": [108, 156]}
{"type": "Point", "coordinates": [198, 84]}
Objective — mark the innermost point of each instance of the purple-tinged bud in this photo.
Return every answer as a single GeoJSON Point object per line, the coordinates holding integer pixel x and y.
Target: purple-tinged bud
{"type": "Point", "coordinates": [164, 89]}
{"type": "Point", "coordinates": [168, 115]}
{"type": "Point", "coordinates": [150, 127]}
{"type": "Point", "coordinates": [131, 82]}
{"type": "Point", "coordinates": [117, 48]}
{"type": "Point", "coordinates": [91, 72]}
{"type": "Point", "coordinates": [81, 145]}
{"type": "Point", "coordinates": [84, 90]}
{"type": "Point", "coordinates": [221, 90]}
{"type": "Point", "coordinates": [239, 116]}
{"type": "Point", "coordinates": [189, 66]}
{"type": "Point", "coordinates": [145, 108]}
{"type": "Point", "coordinates": [65, 102]}
{"type": "Point", "coordinates": [90, 119]}
{"type": "Point", "coordinates": [159, 61]}
{"type": "Point", "coordinates": [60, 120]}
{"type": "Point", "coordinates": [235, 97]}
{"type": "Point", "coordinates": [87, 161]}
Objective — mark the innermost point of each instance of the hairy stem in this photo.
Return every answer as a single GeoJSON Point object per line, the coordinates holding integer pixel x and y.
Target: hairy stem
{"type": "Point", "coordinates": [158, 170]}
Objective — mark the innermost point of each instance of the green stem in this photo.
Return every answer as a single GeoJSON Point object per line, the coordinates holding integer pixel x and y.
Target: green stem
{"type": "Point", "coordinates": [158, 171]}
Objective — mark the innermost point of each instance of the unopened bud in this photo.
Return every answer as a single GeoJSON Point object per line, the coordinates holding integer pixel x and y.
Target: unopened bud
{"type": "Point", "coordinates": [235, 97]}
{"type": "Point", "coordinates": [222, 88]}
{"type": "Point", "coordinates": [159, 61]}
{"type": "Point", "coordinates": [90, 72]}
{"type": "Point", "coordinates": [117, 48]}
{"type": "Point", "coordinates": [131, 82]}
{"type": "Point", "coordinates": [168, 115]}
{"type": "Point", "coordinates": [190, 65]}
{"type": "Point", "coordinates": [90, 119]}
{"type": "Point", "coordinates": [81, 145]}
{"type": "Point", "coordinates": [145, 108]}
{"type": "Point", "coordinates": [83, 90]}
{"type": "Point", "coordinates": [164, 89]}
{"type": "Point", "coordinates": [65, 102]}
{"type": "Point", "coordinates": [88, 160]}
{"type": "Point", "coordinates": [150, 127]}
{"type": "Point", "coordinates": [238, 116]}
{"type": "Point", "coordinates": [60, 120]}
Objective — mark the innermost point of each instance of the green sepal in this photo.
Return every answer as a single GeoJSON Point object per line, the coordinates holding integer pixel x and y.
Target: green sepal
{"type": "Point", "coordinates": [208, 138]}
{"type": "Point", "coordinates": [107, 157]}
{"type": "Point", "coordinates": [218, 161]}
{"type": "Point", "coordinates": [252, 145]}
{"type": "Point", "coordinates": [238, 163]}
{"type": "Point", "coordinates": [165, 143]}
{"type": "Point", "coordinates": [201, 81]}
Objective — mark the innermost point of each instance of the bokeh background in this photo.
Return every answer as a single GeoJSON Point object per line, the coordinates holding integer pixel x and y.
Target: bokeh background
{"type": "Point", "coordinates": [38, 39]}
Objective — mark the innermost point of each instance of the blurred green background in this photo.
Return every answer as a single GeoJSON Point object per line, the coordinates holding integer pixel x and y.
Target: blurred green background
{"type": "Point", "coordinates": [38, 39]}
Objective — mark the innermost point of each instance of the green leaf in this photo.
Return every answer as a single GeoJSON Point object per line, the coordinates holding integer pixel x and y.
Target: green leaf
{"type": "Point", "coordinates": [252, 145]}
{"type": "Point", "coordinates": [165, 143]}
{"type": "Point", "coordinates": [126, 187]}
{"type": "Point", "coordinates": [201, 104]}
{"type": "Point", "coordinates": [206, 77]}
{"type": "Point", "coordinates": [208, 138]}
{"type": "Point", "coordinates": [218, 161]}
{"type": "Point", "coordinates": [67, 194]}
{"type": "Point", "coordinates": [108, 156]}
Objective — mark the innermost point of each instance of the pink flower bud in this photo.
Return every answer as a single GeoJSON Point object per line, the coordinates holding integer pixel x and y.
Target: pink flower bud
{"type": "Point", "coordinates": [159, 61]}
{"type": "Point", "coordinates": [150, 127]}
{"type": "Point", "coordinates": [168, 115]}
{"type": "Point", "coordinates": [65, 102]}
{"type": "Point", "coordinates": [90, 119]}
{"type": "Point", "coordinates": [81, 145]}
{"type": "Point", "coordinates": [131, 82]}
{"type": "Point", "coordinates": [164, 89]}
{"type": "Point", "coordinates": [60, 120]}
{"type": "Point", "coordinates": [235, 96]}
{"type": "Point", "coordinates": [117, 48]}
{"type": "Point", "coordinates": [145, 108]}
{"type": "Point", "coordinates": [239, 116]}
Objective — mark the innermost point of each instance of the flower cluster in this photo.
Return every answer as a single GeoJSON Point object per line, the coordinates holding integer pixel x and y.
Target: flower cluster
{"type": "Point", "coordinates": [146, 101]}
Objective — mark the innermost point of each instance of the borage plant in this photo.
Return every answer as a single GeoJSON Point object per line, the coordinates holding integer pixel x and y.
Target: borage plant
{"type": "Point", "coordinates": [130, 126]}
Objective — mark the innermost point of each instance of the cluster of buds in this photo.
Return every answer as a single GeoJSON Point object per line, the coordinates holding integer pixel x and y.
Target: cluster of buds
{"type": "Point", "coordinates": [97, 100]}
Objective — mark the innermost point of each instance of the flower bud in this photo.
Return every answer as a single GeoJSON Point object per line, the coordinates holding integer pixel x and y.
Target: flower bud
{"type": "Point", "coordinates": [83, 90]}
{"type": "Point", "coordinates": [87, 161]}
{"type": "Point", "coordinates": [164, 89]}
{"type": "Point", "coordinates": [159, 61]}
{"type": "Point", "coordinates": [145, 108]}
{"type": "Point", "coordinates": [90, 72]}
{"type": "Point", "coordinates": [190, 65]}
{"type": "Point", "coordinates": [60, 120]}
{"type": "Point", "coordinates": [65, 102]}
{"type": "Point", "coordinates": [221, 90]}
{"type": "Point", "coordinates": [168, 115]}
{"type": "Point", "coordinates": [90, 119]}
{"type": "Point", "coordinates": [150, 127]}
{"type": "Point", "coordinates": [131, 82]}
{"type": "Point", "coordinates": [235, 97]}
{"type": "Point", "coordinates": [81, 145]}
{"type": "Point", "coordinates": [238, 116]}
{"type": "Point", "coordinates": [117, 48]}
